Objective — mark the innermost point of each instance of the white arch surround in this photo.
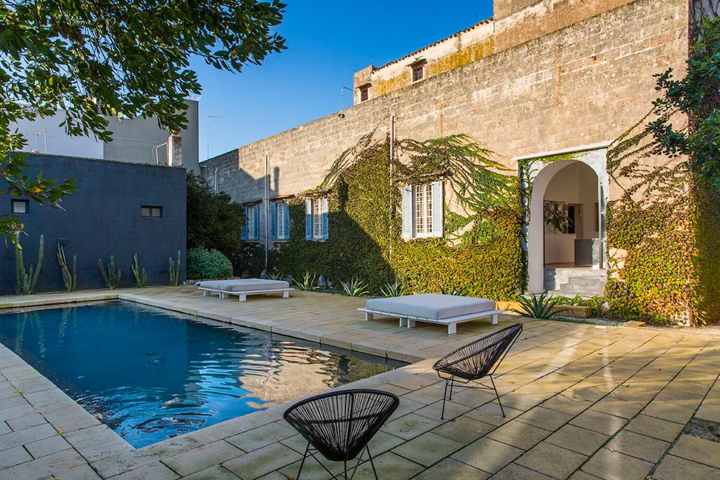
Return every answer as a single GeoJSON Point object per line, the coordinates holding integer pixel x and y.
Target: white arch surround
{"type": "Point", "coordinates": [540, 175]}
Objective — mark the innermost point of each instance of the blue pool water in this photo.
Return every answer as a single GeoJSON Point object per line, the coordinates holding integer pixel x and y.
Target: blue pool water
{"type": "Point", "coordinates": [151, 374]}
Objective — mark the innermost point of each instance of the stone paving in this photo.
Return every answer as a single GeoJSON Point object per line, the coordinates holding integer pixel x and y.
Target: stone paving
{"type": "Point", "coordinates": [582, 401]}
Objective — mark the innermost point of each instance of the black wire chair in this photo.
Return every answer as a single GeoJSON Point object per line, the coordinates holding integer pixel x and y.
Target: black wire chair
{"type": "Point", "coordinates": [340, 424]}
{"type": "Point", "coordinates": [476, 360]}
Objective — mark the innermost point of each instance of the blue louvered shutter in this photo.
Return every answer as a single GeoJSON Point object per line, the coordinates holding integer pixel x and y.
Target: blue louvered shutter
{"type": "Point", "coordinates": [258, 223]}
{"type": "Point", "coordinates": [308, 219]}
{"type": "Point", "coordinates": [325, 219]}
{"type": "Point", "coordinates": [407, 213]}
{"type": "Point", "coordinates": [273, 220]}
{"type": "Point", "coordinates": [437, 208]}
{"type": "Point", "coordinates": [244, 230]}
{"type": "Point", "coordinates": [286, 216]}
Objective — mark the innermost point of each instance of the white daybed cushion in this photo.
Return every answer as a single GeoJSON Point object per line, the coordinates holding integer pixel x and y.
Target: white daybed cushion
{"type": "Point", "coordinates": [432, 306]}
{"type": "Point", "coordinates": [244, 284]}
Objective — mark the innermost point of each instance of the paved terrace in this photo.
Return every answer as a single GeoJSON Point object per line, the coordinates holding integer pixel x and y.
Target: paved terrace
{"type": "Point", "coordinates": [583, 402]}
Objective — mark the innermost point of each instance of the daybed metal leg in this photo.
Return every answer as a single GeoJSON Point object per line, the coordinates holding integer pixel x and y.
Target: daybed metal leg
{"type": "Point", "coordinates": [497, 395]}
{"type": "Point", "coordinates": [368, 316]}
{"type": "Point", "coordinates": [452, 329]}
{"type": "Point", "coordinates": [204, 293]}
{"type": "Point", "coordinates": [286, 293]}
{"type": "Point", "coordinates": [302, 463]}
{"type": "Point", "coordinates": [442, 414]}
{"type": "Point", "coordinates": [242, 298]}
{"type": "Point", "coordinates": [403, 322]}
{"type": "Point", "coordinates": [410, 323]}
{"type": "Point", "coordinates": [494, 319]}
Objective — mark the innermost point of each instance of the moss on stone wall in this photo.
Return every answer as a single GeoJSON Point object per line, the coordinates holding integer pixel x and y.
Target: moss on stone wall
{"type": "Point", "coordinates": [464, 56]}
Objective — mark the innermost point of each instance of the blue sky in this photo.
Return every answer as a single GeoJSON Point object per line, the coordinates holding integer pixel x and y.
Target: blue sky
{"type": "Point", "coordinates": [327, 41]}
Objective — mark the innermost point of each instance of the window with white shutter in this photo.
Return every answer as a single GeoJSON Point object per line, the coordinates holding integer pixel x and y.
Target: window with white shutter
{"type": "Point", "coordinates": [422, 211]}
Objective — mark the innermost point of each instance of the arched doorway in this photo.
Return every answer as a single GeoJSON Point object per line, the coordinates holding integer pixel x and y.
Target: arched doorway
{"type": "Point", "coordinates": [566, 224]}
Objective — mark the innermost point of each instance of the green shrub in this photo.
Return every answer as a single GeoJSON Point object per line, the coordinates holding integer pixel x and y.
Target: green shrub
{"type": "Point", "coordinates": [207, 264]}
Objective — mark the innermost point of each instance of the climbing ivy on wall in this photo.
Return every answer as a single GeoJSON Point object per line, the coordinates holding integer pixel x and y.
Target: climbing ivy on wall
{"type": "Point", "coordinates": [480, 254]}
{"type": "Point", "coordinates": [666, 225]}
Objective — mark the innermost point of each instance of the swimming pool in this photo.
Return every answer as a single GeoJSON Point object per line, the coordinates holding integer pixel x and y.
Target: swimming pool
{"type": "Point", "coordinates": [151, 374]}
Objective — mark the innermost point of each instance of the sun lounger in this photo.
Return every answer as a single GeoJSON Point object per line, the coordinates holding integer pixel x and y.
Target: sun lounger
{"type": "Point", "coordinates": [243, 287]}
{"type": "Point", "coordinates": [432, 308]}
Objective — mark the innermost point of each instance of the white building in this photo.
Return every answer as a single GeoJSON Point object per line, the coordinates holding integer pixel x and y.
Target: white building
{"type": "Point", "coordinates": [136, 140]}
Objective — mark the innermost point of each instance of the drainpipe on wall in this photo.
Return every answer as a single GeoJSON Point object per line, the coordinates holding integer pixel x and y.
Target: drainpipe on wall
{"type": "Point", "coordinates": [392, 158]}
{"type": "Point", "coordinates": [266, 207]}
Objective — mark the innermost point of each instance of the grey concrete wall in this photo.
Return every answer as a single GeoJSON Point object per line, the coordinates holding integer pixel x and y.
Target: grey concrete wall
{"type": "Point", "coordinates": [135, 140]}
{"type": "Point", "coordinates": [100, 219]}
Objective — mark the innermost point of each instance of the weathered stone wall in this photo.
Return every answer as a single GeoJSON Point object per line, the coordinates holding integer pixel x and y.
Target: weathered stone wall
{"type": "Point", "coordinates": [582, 84]}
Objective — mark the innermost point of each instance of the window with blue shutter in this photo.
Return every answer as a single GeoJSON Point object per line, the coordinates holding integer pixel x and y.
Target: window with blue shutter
{"type": "Point", "coordinates": [258, 223]}
{"type": "Point", "coordinates": [325, 234]}
{"type": "Point", "coordinates": [317, 219]}
{"type": "Point", "coordinates": [252, 225]}
{"type": "Point", "coordinates": [274, 220]}
{"type": "Point", "coordinates": [245, 232]}
{"type": "Point", "coordinates": [308, 219]}
{"type": "Point", "coordinates": [286, 217]}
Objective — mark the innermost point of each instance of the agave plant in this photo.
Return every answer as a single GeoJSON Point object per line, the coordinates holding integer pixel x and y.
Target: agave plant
{"type": "Point", "coordinates": [355, 287]}
{"type": "Point", "coordinates": [276, 276]}
{"type": "Point", "coordinates": [541, 306]}
{"type": "Point", "coordinates": [308, 282]}
{"type": "Point", "coordinates": [395, 289]}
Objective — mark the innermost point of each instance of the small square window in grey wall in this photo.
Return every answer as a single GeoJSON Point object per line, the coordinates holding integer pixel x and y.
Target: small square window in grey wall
{"type": "Point", "coordinates": [19, 207]}
{"type": "Point", "coordinates": [151, 211]}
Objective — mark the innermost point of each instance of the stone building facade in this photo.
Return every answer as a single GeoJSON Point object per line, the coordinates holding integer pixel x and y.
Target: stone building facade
{"type": "Point", "coordinates": [542, 77]}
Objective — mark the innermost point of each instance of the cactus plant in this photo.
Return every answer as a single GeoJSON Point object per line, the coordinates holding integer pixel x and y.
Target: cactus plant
{"type": "Point", "coordinates": [112, 274]}
{"type": "Point", "coordinates": [27, 277]}
{"type": "Point", "coordinates": [138, 272]}
{"type": "Point", "coordinates": [69, 273]}
{"type": "Point", "coordinates": [174, 270]}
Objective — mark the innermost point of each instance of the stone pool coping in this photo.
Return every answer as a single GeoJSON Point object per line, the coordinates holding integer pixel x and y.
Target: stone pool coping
{"type": "Point", "coordinates": [66, 441]}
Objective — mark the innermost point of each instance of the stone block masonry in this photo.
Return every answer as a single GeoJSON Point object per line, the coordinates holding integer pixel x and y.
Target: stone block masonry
{"type": "Point", "coordinates": [582, 84]}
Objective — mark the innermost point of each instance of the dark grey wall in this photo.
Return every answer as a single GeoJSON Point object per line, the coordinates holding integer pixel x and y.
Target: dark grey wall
{"type": "Point", "coordinates": [100, 219]}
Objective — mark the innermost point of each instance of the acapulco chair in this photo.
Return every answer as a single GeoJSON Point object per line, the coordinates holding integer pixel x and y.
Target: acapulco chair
{"type": "Point", "coordinates": [339, 425]}
{"type": "Point", "coordinates": [475, 361]}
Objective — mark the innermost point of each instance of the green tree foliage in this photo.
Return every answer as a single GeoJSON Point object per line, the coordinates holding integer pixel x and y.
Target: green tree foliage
{"type": "Point", "coordinates": [697, 95]}
{"type": "Point", "coordinates": [92, 59]}
{"type": "Point", "coordinates": [214, 221]}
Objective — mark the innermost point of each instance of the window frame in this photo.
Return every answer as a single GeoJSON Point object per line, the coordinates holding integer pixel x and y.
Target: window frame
{"type": "Point", "coordinates": [19, 201]}
{"type": "Point", "coordinates": [364, 91]}
{"type": "Point", "coordinates": [426, 230]}
{"type": "Point", "coordinates": [282, 229]}
{"type": "Point", "coordinates": [317, 219]}
{"type": "Point", "coordinates": [253, 234]}
{"type": "Point", "coordinates": [152, 210]}
{"type": "Point", "coordinates": [417, 71]}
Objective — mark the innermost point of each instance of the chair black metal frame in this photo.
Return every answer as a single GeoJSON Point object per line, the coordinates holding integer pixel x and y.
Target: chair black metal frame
{"type": "Point", "coordinates": [476, 360]}
{"type": "Point", "coordinates": [340, 424]}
